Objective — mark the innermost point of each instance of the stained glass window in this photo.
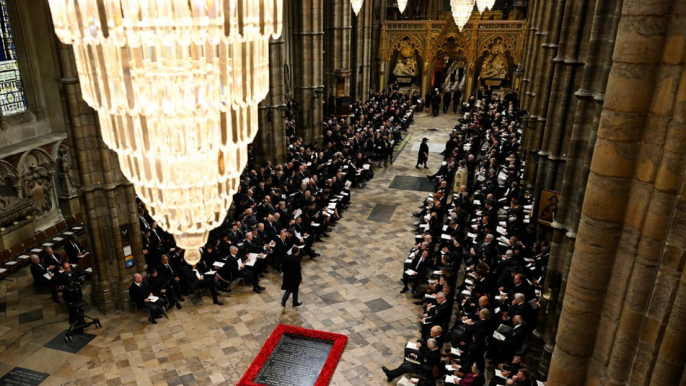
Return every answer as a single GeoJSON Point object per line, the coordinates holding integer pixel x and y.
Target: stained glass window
{"type": "Point", "coordinates": [12, 98]}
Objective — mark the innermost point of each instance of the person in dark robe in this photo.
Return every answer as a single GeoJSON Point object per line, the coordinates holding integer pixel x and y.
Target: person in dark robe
{"type": "Point", "coordinates": [423, 155]}
{"type": "Point", "coordinates": [292, 276]}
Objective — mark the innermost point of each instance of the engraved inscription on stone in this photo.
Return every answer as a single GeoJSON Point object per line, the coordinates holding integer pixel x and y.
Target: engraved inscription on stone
{"type": "Point", "coordinates": [23, 377]}
{"type": "Point", "coordinates": [295, 361]}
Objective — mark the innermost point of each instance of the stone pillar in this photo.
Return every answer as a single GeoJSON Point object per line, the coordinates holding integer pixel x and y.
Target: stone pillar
{"type": "Point", "coordinates": [337, 16]}
{"type": "Point", "coordinates": [378, 9]}
{"type": "Point", "coordinates": [308, 67]}
{"type": "Point", "coordinates": [107, 198]}
{"type": "Point", "coordinates": [361, 53]}
{"type": "Point", "coordinates": [615, 206]}
{"type": "Point", "coordinates": [270, 143]}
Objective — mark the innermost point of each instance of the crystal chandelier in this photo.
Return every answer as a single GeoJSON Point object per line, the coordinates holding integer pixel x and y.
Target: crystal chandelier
{"type": "Point", "coordinates": [482, 5]}
{"type": "Point", "coordinates": [462, 11]}
{"type": "Point", "coordinates": [401, 5]}
{"type": "Point", "coordinates": [176, 85]}
{"type": "Point", "coordinates": [357, 6]}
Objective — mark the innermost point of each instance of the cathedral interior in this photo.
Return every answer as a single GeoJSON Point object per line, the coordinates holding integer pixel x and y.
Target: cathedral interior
{"type": "Point", "coordinates": [561, 163]}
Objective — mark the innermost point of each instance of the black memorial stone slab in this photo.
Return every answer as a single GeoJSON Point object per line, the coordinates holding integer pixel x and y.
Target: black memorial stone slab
{"type": "Point", "coordinates": [19, 376]}
{"type": "Point", "coordinates": [421, 184]}
{"type": "Point", "coordinates": [295, 361]}
{"type": "Point", "coordinates": [78, 341]}
{"type": "Point", "coordinates": [382, 213]}
{"type": "Point", "coordinates": [31, 316]}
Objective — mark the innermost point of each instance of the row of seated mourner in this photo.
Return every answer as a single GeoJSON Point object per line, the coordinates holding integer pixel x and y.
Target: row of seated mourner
{"type": "Point", "coordinates": [475, 270]}
{"type": "Point", "coordinates": [471, 317]}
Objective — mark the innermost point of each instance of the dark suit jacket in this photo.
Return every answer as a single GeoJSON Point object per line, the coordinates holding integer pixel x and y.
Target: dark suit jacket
{"type": "Point", "coordinates": [139, 294]}
{"type": "Point", "coordinates": [440, 314]}
{"type": "Point", "coordinates": [54, 259]}
{"type": "Point", "coordinates": [72, 252]}
{"type": "Point", "coordinates": [37, 272]}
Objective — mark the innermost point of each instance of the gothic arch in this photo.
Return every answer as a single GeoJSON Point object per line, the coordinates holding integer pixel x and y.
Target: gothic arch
{"type": "Point", "coordinates": [492, 40]}
{"type": "Point", "coordinates": [414, 42]}
{"type": "Point", "coordinates": [8, 171]}
{"type": "Point", "coordinates": [35, 157]}
{"type": "Point", "coordinates": [459, 40]}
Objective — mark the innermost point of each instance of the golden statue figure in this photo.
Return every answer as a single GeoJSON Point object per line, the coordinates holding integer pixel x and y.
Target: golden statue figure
{"type": "Point", "coordinates": [495, 66]}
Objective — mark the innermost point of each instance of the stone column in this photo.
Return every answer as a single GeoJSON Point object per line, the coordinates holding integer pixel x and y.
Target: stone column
{"type": "Point", "coordinates": [378, 9]}
{"type": "Point", "coordinates": [337, 26]}
{"type": "Point", "coordinates": [308, 66]}
{"type": "Point", "coordinates": [612, 201]}
{"type": "Point", "coordinates": [270, 143]}
{"type": "Point", "coordinates": [361, 53]}
{"type": "Point", "coordinates": [106, 197]}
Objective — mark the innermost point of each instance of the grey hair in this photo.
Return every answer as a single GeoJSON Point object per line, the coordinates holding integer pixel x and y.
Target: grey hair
{"type": "Point", "coordinates": [35, 258]}
{"type": "Point", "coordinates": [520, 297]}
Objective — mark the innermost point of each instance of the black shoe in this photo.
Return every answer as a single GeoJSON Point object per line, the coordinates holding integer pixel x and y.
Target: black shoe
{"type": "Point", "coordinates": [153, 321]}
{"type": "Point", "coordinates": [298, 304]}
{"type": "Point", "coordinates": [261, 288]}
{"type": "Point", "coordinates": [178, 306]}
{"type": "Point", "coordinates": [260, 276]}
{"type": "Point", "coordinates": [430, 178]}
{"type": "Point", "coordinates": [315, 255]}
{"type": "Point", "coordinates": [181, 299]}
{"type": "Point", "coordinates": [426, 167]}
{"type": "Point", "coordinates": [265, 272]}
{"type": "Point", "coordinates": [419, 303]}
{"type": "Point", "coordinates": [257, 289]}
{"type": "Point", "coordinates": [386, 371]}
{"type": "Point", "coordinates": [325, 234]}
{"type": "Point", "coordinates": [218, 302]}
{"type": "Point", "coordinates": [56, 300]}
{"type": "Point", "coordinates": [319, 239]}
{"type": "Point", "coordinates": [165, 315]}
{"type": "Point", "coordinates": [405, 289]}
{"type": "Point", "coordinates": [283, 304]}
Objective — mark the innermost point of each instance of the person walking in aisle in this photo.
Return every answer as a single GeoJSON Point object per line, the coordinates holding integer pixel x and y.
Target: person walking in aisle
{"type": "Point", "coordinates": [423, 155]}
{"type": "Point", "coordinates": [292, 276]}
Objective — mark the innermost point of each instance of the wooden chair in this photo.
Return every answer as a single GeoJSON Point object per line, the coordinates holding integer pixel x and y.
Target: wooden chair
{"type": "Point", "coordinates": [61, 226]}
{"type": "Point", "coordinates": [71, 221]}
{"type": "Point", "coordinates": [51, 232]}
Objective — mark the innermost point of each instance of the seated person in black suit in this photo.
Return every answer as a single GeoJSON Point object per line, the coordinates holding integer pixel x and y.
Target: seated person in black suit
{"type": "Point", "coordinates": [235, 264]}
{"type": "Point", "coordinates": [197, 280]}
{"type": "Point", "coordinates": [38, 271]}
{"type": "Point", "coordinates": [160, 287]}
{"type": "Point", "coordinates": [170, 273]}
{"type": "Point", "coordinates": [426, 359]}
{"type": "Point", "coordinates": [140, 293]}
{"type": "Point", "coordinates": [74, 250]}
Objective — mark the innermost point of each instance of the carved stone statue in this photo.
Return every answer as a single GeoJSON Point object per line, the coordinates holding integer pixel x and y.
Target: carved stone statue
{"type": "Point", "coordinates": [405, 67]}
{"type": "Point", "coordinates": [67, 180]}
{"type": "Point", "coordinates": [495, 66]}
{"type": "Point", "coordinates": [36, 185]}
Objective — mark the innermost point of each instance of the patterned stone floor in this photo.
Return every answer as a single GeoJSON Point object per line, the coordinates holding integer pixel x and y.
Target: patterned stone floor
{"type": "Point", "coordinates": [351, 289]}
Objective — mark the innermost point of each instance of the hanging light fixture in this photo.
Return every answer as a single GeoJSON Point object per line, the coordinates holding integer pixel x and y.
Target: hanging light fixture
{"type": "Point", "coordinates": [357, 6]}
{"type": "Point", "coordinates": [484, 5]}
{"type": "Point", "coordinates": [401, 5]}
{"type": "Point", "coordinates": [176, 85]}
{"type": "Point", "coordinates": [462, 11]}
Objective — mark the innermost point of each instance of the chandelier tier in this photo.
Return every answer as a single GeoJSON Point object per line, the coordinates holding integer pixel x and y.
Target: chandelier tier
{"type": "Point", "coordinates": [357, 6]}
{"type": "Point", "coordinates": [401, 5]}
{"type": "Point", "coordinates": [176, 85]}
{"type": "Point", "coordinates": [483, 5]}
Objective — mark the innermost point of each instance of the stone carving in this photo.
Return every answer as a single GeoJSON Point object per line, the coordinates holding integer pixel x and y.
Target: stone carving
{"type": "Point", "coordinates": [15, 209]}
{"type": "Point", "coordinates": [36, 186]}
{"type": "Point", "coordinates": [406, 64]}
{"type": "Point", "coordinates": [495, 66]}
{"type": "Point", "coordinates": [67, 180]}
{"type": "Point", "coordinates": [405, 67]}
